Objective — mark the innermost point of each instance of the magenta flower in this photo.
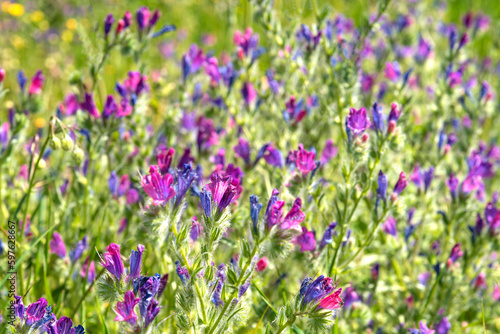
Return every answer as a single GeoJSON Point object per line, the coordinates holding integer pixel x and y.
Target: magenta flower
{"type": "Point", "coordinates": [456, 253]}
{"type": "Point", "coordinates": [164, 159]}
{"type": "Point", "coordinates": [401, 184]}
{"type": "Point", "coordinates": [333, 301]}
{"type": "Point", "coordinates": [305, 160]}
{"type": "Point", "coordinates": [158, 187]}
{"type": "Point", "coordinates": [321, 290]}
{"type": "Point", "coordinates": [2, 74]}
{"type": "Point", "coordinates": [57, 245]}
{"type": "Point", "coordinates": [275, 213]}
{"type": "Point", "coordinates": [358, 121]}
{"type": "Point", "coordinates": [262, 264]}
{"type": "Point", "coordinates": [242, 150]}
{"type": "Point", "coordinates": [389, 226]}
{"type": "Point", "coordinates": [392, 71]}
{"type": "Point", "coordinates": [306, 240]}
{"type": "Point", "coordinates": [135, 262]}
{"type": "Point", "coordinates": [35, 311]}
{"type": "Point", "coordinates": [222, 190]}
{"type": "Point", "coordinates": [249, 93]}
{"type": "Point", "coordinates": [70, 105]}
{"type": "Point", "coordinates": [89, 106]}
{"type": "Point", "coordinates": [294, 217]}
{"type": "Point", "coordinates": [112, 261]}
{"type": "Point", "coordinates": [125, 309]}
{"type": "Point", "coordinates": [36, 83]}
{"type": "Point", "coordinates": [212, 69]}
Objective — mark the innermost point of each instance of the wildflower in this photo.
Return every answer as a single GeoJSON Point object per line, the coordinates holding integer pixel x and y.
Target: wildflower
{"type": "Point", "coordinates": [81, 246]}
{"type": "Point", "coordinates": [112, 261]}
{"type": "Point", "coordinates": [350, 297]}
{"type": "Point", "coordinates": [443, 326]}
{"type": "Point", "coordinates": [392, 71]}
{"type": "Point", "coordinates": [305, 160]}
{"type": "Point", "coordinates": [184, 180]}
{"type": "Point", "coordinates": [456, 253]}
{"type": "Point", "coordinates": [192, 61]}
{"type": "Point", "coordinates": [422, 329]}
{"type": "Point", "coordinates": [294, 217]}
{"type": "Point", "coordinates": [329, 152]}
{"type": "Point", "coordinates": [57, 245]}
{"type": "Point", "coordinates": [249, 93]}
{"type": "Point", "coordinates": [88, 270]}
{"type": "Point", "coordinates": [183, 273]}
{"type": "Point", "coordinates": [242, 150]}
{"type": "Point", "coordinates": [310, 39]}
{"type": "Point", "coordinates": [142, 17]}
{"type": "Point", "coordinates": [306, 240]}
{"type": "Point", "coordinates": [35, 311]}
{"type": "Point", "coordinates": [247, 42]}
{"type": "Point", "coordinates": [255, 208]}
{"type": "Point", "coordinates": [389, 226]}
{"type": "Point", "coordinates": [452, 184]}
{"type": "Point", "coordinates": [36, 83]}
{"type": "Point", "coordinates": [321, 291]}
{"type": "Point", "coordinates": [135, 262]}
{"type": "Point", "coordinates": [108, 23]}
{"type": "Point", "coordinates": [21, 80]}
{"type": "Point", "coordinates": [328, 235]}
{"type": "Point", "coordinates": [375, 271]}
{"type": "Point", "coordinates": [158, 187]}
{"type": "Point", "coordinates": [274, 157]}
{"type": "Point", "coordinates": [262, 264]}
{"type": "Point", "coordinates": [89, 106]}
{"type": "Point", "coordinates": [221, 191]}
{"type": "Point", "coordinates": [196, 229]}
{"type": "Point", "coordinates": [125, 310]}
{"type": "Point", "coordinates": [357, 121]}
{"type": "Point", "coordinates": [401, 184]}
{"type": "Point", "coordinates": [2, 74]}
{"type": "Point", "coordinates": [212, 69]}
{"type": "Point", "coordinates": [382, 185]}
{"type": "Point", "coordinates": [294, 110]}
{"type": "Point", "coordinates": [216, 297]}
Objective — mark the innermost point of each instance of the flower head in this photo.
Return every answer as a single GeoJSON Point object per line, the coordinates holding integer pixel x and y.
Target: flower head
{"type": "Point", "coordinates": [125, 310]}
{"type": "Point", "coordinates": [158, 187]}
{"type": "Point", "coordinates": [57, 245]}
{"type": "Point", "coordinates": [357, 121]}
{"type": "Point", "coordinates": [112, 261]}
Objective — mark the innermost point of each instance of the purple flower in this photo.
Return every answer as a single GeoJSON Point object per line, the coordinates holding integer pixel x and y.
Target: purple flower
{"type": "Point", "coordinates": [19, 308]}
{"type": "Point", "coordinates": [88, 105]}
{"type": "Point", "coordinates": [423, 329]}
{"type": "Point", "coordinates": [242, 150]}
{"type": "Point", "coordinates": [216, 296]}
{"type": "Point", "coordinates": [212, 69]}
{"type": "Point", "coordinates": [248, 92]}
{"type": "Point", "coordinates": [57, 245]}
{"type": "Point", "coordinates": [112, 261]}
{"type": "Point", "coordinates": [196, 229]}
{"type": "Point", "coordinates": [306, 240]}
{"type": "Point", "coordinates": [152, 312]}
{"type": "Point", "coordinates": [382, 185]}
{"type": "Point", "coordinates": [401, 184]}
{"type": "Point", "coordinates": [183, 273]}
{"type": "Point", "coordinates": [443, 327]}
{"type": "Point", "coordinates": [329, 152]}
{"type": "Point", "coordinates": [142, 17]}
{"type": "Point", "coordinates": [108, 23]}
{"type": "Point", "coordinates": [35, 311]}
{"type": "Point", "coordinates": [222, 191]}
{"type": "Point", "coordinates": [389, 226]}
{"type": "Point", "coordinates": [62, 326]}
{"type": "Point", "coordinates": [305, 160]}
{"type": "Point", "coordinates": [392, 71]}
{"type": "Point", "coordinates": [192, 61]}
{"type": "Point", "coordinates": [328, 236]}
{"type": "Point", "coordinates": [125, 309]}
{"type": "Point", "coordinates": [243, 288]}
{"type": "Point", "coordinates": [274, 157]}
{"type": "Point", "coordinates": [424, 277]}
{"type": "Point", "coordinates": [37, 83]}
{"type": "Point", "coordinates": [358, 121]}
{"type": "Point", "coordinates": [452, 184]}
{"type": "Point", "coordinates": [247, 41]}
{"type": "Point", "coordinates": [423, 50]}
{"type": "Point", "coordinates": [164, 159]}
{"type": "Point", "coordinates": [275, 213]}
{"type": "Point", "coordinates": [294, 217]}
{"type": "Point", "coordinates": [81, 246]}
{"type": "Point", "coordinates": [255, 208]}
{"type": "Point", "coordinates": [110, 107]}
{"type": "Point", "coordinates": [135, 262]}
{"type": "Point", "coordinates": [322, 291]}
{"type": "Point", "coordinates": [184, 180]}
{"type": "Point", "coordinates": [456, 253]}
{"type": "Point", "coordinates": [158, 187]}
{"type": "Point", "coordinates": [378, 118]}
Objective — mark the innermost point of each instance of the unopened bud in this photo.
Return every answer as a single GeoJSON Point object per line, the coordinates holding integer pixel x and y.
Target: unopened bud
{"type": "Point", "coordinates": [55, 143]}
{"type": "Point", "coordinates": [394, 197]}
{"type": "Point", "coordinates": [391, 127]}
{"type": "Point", "coordinates": [447, 149]}
{"type": "Point", "coordinates": [77, 155]}
{"type": "Point", "coordinates": [365, 137]}
{"type": "Point", "coordinates": [67, 143]}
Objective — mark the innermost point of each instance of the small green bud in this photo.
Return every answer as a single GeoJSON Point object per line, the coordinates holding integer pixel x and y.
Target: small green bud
{"type": "Point", "coordinates": [55, 143]}
{"type": "Point", "coordinates": [77, 155]}
{"type": "Point", "coordinates": [67, 143]}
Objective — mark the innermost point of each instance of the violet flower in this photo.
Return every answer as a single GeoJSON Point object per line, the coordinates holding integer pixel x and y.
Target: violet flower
{"type": "Point", "coordinates": [112, 261]}
{"type": "Point", "coordinates": [125, 310]}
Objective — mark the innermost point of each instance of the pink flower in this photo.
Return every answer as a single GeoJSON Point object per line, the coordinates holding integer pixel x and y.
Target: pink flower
{"type": "Point", "coordinates": [332, 302]}
{"type": "Point", "coordinates": [125, 309]}
{"type": "Point", "coordinates": [36, 83]}
{"type": "Point", "coordinates": [262, 264]}
{"type": "Point", "coordinates": [306, 240]}
{"type": "Point", "coordinates": [112, 261]}
{"type": "Point", "coordinates": [57, 245]}
{"type": "Point", "coordinates": [294, 217]}
{"type": "Point", "coordinates": [158, 187]}
{"type": "Point", "coordinates": [305, 160]}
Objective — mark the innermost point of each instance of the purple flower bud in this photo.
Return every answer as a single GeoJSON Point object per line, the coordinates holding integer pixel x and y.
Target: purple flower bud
{"type": "Point", "coordinates": [152, 312]}
{"type": "Point", "coordinates": [154, 18]}
{"type": "Point", "coordinates": [294, 217]}
{"type": "Point", "coordinates": [81, 246]}
{"type": "Point", "coordinates": [89, 106]}
{"type": "Point", "coordinates": [112, 261]}
{"type": "Point", "coordinates": [255, 208]}
{"type": "Point", "coordinates": [328, 236]}
{"type": "Point", "coordinates": [428, 175]}
{"type": "Point", "coordinates": [206, 201]}
{"type": "Point", "coordinates": [183, 273]}
{"type": "Point", "coordinates": [389, 227]}
{"type": "Point", "coordinates": [21, 80]}
{"type": "Point", "coordinates": [57, 245]}
{"type": "Point", "coordinates": [110, 107]}
{"type": "Point", "coordinates": [36, 83]}
{"type": "Point", "coordinates": [452, 184]}
{"type": "Point", "coordinates": [443, 327]}
{"type": "Point", "coordinates": [135, 263]}
{"type": "Point", "coordinates": [108, 23]}
{"type": "Point", "coordinates": [382, 185]}
{"type": "Point", "coordinates": [216, 297]}
{"type": "Point", "coordinates": [242, 150]}
{"type": "Point", "coordinates": [243, 288]}
{"type": "Point", "coordinates": [184, 180]}
{"type": "Point", "coordinates": [329, 152]}
{"type": "Point", "coordinates": [249, 93]}
{"type": "Point", "coordinates": [456, 253]}
{"type": "Point", "coordinates": [274, 157]}
{"type": "Point", "coordinates": [378, 118]}
{"type": "Point", "coordinates": [142, 17]}
{"type": "Point", "coordinates": [401, 184]}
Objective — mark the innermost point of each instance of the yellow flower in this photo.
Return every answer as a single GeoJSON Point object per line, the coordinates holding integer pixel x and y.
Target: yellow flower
{"type": "Point", "coordinates": [18, 42]}
{"type": "Point", "coordinates": [39, 122]}
{"type": "Point", "coordinates": [71, 24]}
{"type": "Point", "coordinates": [37, 16]}
{"type": "Point", "coordinates": [15, 9]}
{"type": "Point", "coordinates": [67, 36]}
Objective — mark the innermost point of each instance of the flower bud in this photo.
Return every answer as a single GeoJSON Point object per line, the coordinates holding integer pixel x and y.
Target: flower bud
{"type": "Point", "coordinates": [55, 143]}
{"type": "Point", "coordinates": [365, 137]}
{"type": "Point", "coordinates": [447, 149]}
{"type": "Point", "coordinates": [77, 155]}
{"type": "Point", "coordinates": [2, 74]}
{"type": "Point", "coordinates": [391, 127]}
{"type": "Point", "coordinates": [67, 143]}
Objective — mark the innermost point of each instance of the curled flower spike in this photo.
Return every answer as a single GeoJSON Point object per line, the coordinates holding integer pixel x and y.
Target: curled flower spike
{"type": "Point", "coordinates": [112, 261]}
{"type": "Point", "coordinates": [158, 187]}
{"type": "Point", "coordinates": [216, 296]}
{"type": "Point", "coordinates": [125, 310]}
